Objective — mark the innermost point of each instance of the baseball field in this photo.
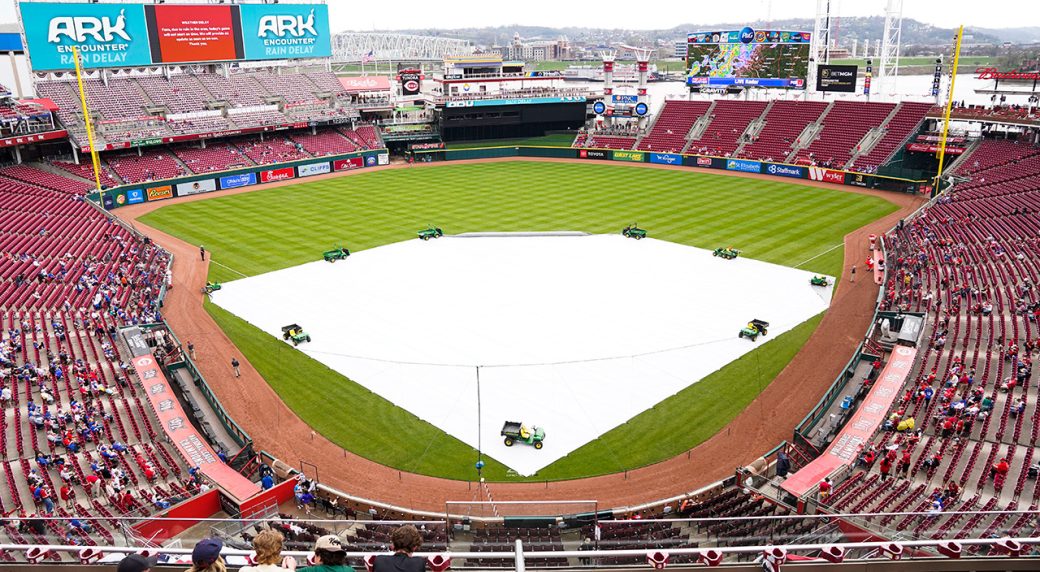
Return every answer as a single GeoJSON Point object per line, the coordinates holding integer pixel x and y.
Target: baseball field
{"type": "Point", "coordinates": [256, 232]}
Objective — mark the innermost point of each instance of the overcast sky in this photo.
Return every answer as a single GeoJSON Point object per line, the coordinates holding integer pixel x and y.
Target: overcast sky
{"type": "Point", "coordinates": [398, 14]}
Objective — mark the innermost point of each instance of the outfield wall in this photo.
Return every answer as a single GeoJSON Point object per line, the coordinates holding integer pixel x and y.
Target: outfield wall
{"type": "Point", "coordinates": [245, 177]}
{"type": "Point", "coordinates": [783, 170]}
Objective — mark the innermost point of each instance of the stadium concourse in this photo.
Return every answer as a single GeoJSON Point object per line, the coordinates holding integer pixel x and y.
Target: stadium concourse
{"type": "Point", "coordinates": [765, 423]}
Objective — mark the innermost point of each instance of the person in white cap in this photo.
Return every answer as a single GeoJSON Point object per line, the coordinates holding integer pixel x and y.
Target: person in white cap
{"type": "Point", "coordinates": [330, 555]}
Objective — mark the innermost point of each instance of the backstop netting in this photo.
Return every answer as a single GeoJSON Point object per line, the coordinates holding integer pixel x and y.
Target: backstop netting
{"type": "Point", "coordinates": [520, 513]}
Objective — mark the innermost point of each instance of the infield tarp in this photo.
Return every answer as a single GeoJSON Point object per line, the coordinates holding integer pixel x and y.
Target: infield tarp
{"type": "Point", "coordinates": [861, 428]}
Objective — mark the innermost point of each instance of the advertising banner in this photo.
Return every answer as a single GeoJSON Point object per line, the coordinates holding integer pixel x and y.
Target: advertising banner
{"type": "Point", "coordinates": [859, 180]}
{"type": "Point", "coordinates": [34, 138]}
{"type": "Point", "coordinates": [666, 158]}
{"type": "Point", "coordinates": [634, 156]}
{"type": "Point", "coordinates": [194, 33]}
{"type": "Point", "coordinates": [235, 181]}
{"type": "Point", "coordinates": [785, 171]}
{"type": "Point", "coordinates": [859, 430]}
{"type": "Point", "coordinates": [108, 201]}
{"type": "Point", "coordinates": [515, 101]}
{"type": "Point", "coordinates": [107, 35]}
{"type": "Point", "coordinates": [182, 433]}
{"type": "Point", "coordinates": [281, 31]}
{"type": "Point", "coordinates": [426, 146]}
{"type": "Point", "coordinates": [203, 186]}
{"type": "Point", "coordinates": [384, 159]}
{"type": "Point", "coordinates": [631, 99]}
{"type": "Point", "coordinates": [927, 148]}
{"type": "Point", "coordinates": [826, 175]}
{"type": "Point", "coordinates": [313, 169]}
{"type": "Point", "coordinates": [743, 166]}
{"type": "Point", "coordinates": [160, 193]}
{"type": "Point", "coordinates": [277, 174]}
{"type": "Point", "coordinates": [347, 164]}
{"type": "Point", "coordinates": [134, 196]}
{"type": "Point", "coordinates": [366, 83]}
{"type": "Point", "coordinates": [836, 78]}
{"type": "Point", "coordinates": [593, 154]}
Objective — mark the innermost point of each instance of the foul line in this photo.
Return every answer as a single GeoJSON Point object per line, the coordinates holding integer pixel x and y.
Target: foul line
{"type": "Point", "coordinates": [839, 245]}
{"type": "Point", "coordinates": [228, 267]}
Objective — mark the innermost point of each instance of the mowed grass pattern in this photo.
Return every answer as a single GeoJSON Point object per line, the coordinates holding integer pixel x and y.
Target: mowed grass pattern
{"type": "Point", "coordinates": [270, 229]}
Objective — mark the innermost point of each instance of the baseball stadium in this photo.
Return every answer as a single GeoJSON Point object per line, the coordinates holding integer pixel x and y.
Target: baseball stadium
{"type": "Point", "coordinates": [276, 296]}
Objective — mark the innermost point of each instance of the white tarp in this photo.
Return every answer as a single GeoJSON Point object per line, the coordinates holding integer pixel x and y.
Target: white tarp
{"type": "Point", "coordinates": [576, 334]}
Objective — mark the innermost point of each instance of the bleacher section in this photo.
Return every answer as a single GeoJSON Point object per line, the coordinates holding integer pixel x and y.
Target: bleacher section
{"type": "Point", "coordinates": [905, 122]}
{"type": "Point", "coordinates": [132, 108]}
{"type": "Point", "coordinates": [215, 157]}
{"type": "Point", "coordinates": [278, 149]}
{"type": "Point", "coordinates": [75, 418]}
{"type": "Point", "coordinates": [672, 126]}
{"type": "Point", "coordinates": [324, 143]}
{"type": "Point", "coordinates": [611, 141]}
{"type": "Point", "coordinates": [971, 262]}
{"type": "Point", "coordinates": [729, 121]}
{"type": "Point", "coordinates": [846, 124]}
{"type": "Point", "coordinates": [152, 165]}
{"type": "Point", "coordinates": [784, 123]}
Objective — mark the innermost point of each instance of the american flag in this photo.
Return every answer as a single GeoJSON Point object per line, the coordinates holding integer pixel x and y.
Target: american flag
{"type": "Point", "coordinates": [367, 57]}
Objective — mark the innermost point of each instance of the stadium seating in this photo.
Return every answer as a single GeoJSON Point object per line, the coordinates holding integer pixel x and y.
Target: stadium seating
{"type": "Point", "coordinates": [729, 120]}
{"type": "Point", "coordinates": [844, 127]}
{"type": "Point", "coordinates": [784, 123]}
{"type": "Point", "coordinates": [611, 141]}
{"type": "Point", "coordinates": [85, 170]}
{"type": "Point", "coordinates": [275, 149]}
{"type": "Point", "coordinates": [215, 157]}
{"type": "Point", "coordinates": [906, 121]}
{"type": "Point", "coordinates": [151, 165]}
{"type": "Point", "coordinates": [324, 143]}
{"type": "Point", "coordinates": [39, 177]}
{"type": "Point", "coordinates": [673, 124]}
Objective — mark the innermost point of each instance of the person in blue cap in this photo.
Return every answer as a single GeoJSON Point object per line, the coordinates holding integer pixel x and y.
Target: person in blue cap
{"type": "Point", "coordinates": [206, 556]}
{"type": "Point", "coordinates": [136, 563]}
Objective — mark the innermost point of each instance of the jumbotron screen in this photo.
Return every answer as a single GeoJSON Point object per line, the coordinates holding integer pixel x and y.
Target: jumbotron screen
{"type": "Point", "coordinates": [748, 57]}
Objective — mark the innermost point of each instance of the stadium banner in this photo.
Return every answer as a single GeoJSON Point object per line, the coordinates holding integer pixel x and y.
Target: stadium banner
{"type": "Point", "coordinates": [196, 187]}
{"type": "Point", "coordinates": [859, 430]}
{"type": "Point", "coordinates": [160, 193]}
{"type": "Point", "coordinates": [282, 174]}
{"type": "Point", "coordinates": [629, 99]}
{"type": "Point", "coordinates": [704, 162]}
{"type": "Point", "coordinates": [781, 170]}
{"type": "Point", "coordinates": [135, 196]}
{"type": "Point", "coordinates": [285, 31]}
{"type": "Point", "coordinates": [593, 154]}
{"type": "Point", "coordinates": [193, 33]}
{"type": "Point", "coordinates": [859, 180]}
{"type": "Point", "coordinates": [235, 181]}
{"type": "Point", "coordinates": [34, 138]}
{"type": "Point", "coordinates": [348, 164]}
{"type": "Point", "coordinates": [108, 200]}
{"type": "Point", "coordinates": [411, 82]}
{"type": "Point", "coordinates": [514, 101]}
{"type": "Point", "coordinates": [927, 148]}
{"type": "Point", "coordinates": [182, 434]}
{"type": "Point", "coordinates": [312, 169]}
{"type": "Point", "coordinates": [633, 156]}
{"type": "Point", "coordinates": [826, 175]}
{"type": "Point", "coordinates": [836, 78]}
{"type": "Point", "coordinates": [107, 35]}
{"type": "Point", "coordinates": [666, 158]}
{"type": "Point", "coordinates": [743, 166]}
{"type": "Point", "coordinates": [365, 83]}
{"type": "Point", "coordinates": [383, 159]}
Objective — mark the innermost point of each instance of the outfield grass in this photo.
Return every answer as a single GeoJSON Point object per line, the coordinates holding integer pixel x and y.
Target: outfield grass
{"type": "Point", "coordinates": [555, 140]}
{"type": "Point", "coordinates": [266, 230]}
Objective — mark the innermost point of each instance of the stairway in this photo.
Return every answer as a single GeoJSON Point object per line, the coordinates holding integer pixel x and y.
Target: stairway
{"type": "Point", "coordinates": [753, 129]}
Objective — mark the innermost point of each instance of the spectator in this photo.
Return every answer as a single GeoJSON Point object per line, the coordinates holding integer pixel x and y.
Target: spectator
{"type": "Point", "coordinates": [406, 540]}
{"type": "Point", "coordinates": [268, 547]}
{"type": "Point", "coordinates": [206, 556]}
{"type": "Point", "coordinates": [266, 482]}
{"type": "Point", "coordinates": [330, 556]}
{"type": "Point", "coordinates": [136, 563]}
{"type": "Point", "coordinates": [825, 489]}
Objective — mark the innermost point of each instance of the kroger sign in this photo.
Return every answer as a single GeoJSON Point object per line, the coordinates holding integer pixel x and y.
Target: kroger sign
{"type": "Point", "coordinates": [106, 35]}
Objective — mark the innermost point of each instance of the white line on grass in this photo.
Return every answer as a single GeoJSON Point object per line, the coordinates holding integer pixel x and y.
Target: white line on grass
{"type": "Point", "coordinates": [818, 255]}
{"type": "Point", "coordinates": [228, 267]}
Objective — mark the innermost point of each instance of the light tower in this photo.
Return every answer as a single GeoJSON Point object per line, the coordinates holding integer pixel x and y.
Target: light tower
{"type": "Point", "coordinates": [819, 49]}
{"type": "Point", "coordinates": [890, 45]}
{"type": "Point", "coordinates": [643, 67]}
{"type": "Point", "coordinates": [608, 82]}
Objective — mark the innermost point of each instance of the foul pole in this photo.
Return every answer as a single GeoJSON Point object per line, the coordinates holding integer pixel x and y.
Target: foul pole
{"type": "Point", "coordinates": [949, 107]}
{"type": "Point", "coordinates": [90, 127]}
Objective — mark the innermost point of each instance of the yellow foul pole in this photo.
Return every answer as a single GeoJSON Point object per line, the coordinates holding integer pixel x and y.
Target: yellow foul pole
{"type": "Point", "coordinates": [949, 107]}
{"type": "Point", "coordinates": [90, 126]}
